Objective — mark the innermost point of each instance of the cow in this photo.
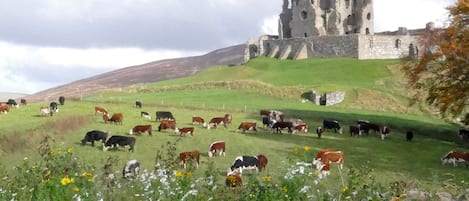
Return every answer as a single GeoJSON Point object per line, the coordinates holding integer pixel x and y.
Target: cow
{"type": "Point", "coordinates": [319, 131]}
{"type": "Point", "coordinates": [267, 122]}
{"type": "Point", "coordinates": [385, 132]}
{"type": "Point", "coordinates": [44, 110]}
{"type": "Point", "coordinates": [62, 100]}
{"type": "Point", "coordinates": [198, 120]}
{"type": "Point", "coordinates": [453, 157]}
{"type": "Point", "coordinates": [138, 104]}
{"type": "Point", "coordinates": [100, 110]}
{"type": "Point", "coordinates": [329, 157]}
{"type": "Point", "coordinates": [332, 124]}
{"type": "Point", "coordinates": [131, 169]}
{"type": "Point", "coordinates": [233, 181]}
{"type": "Point", "coordinates": [409, 135]}
{"type": "Point", "coordinates": [280, 125]}
{"type": "Point", "coordinates": [145, 115]}
{"type": "Point", "coordinates": [303, 127]}
{"type": "Point", "coordinates": [141, 129]}
{"type": "Point", "coordinates": [247, 163]}
{"type": "Point", "coordinates": [119, 140]}
{"type": "Point", "coordinates": [162, 115]}
{"type": "Point", "coordinates": [218, 146]}
{"type": "Point", "coordinates": [265, 112]}
{"type": "Point", "coordinates": [116, 118]}
{"type": "Point", "coordinates": [94, 135]}
{"type": "Point", "coordinates": [365, 126]}
{"type": "Point", "coordinates": [23, 101]}
{"type": "Point", "coordinates": [4, 108]}
{"type": "Point", "coordinates": [246, 126]}
{"type": "Point", "coordinates": [12, 103]}
{"type": "Point", "coordinates": [319, 155]}
{"type": "Point", "coordinates": [463, 133]}
{"type": "Point", "coordinates": [189, 155]}
{"type": "Point", "coordinates": [54, 106]}
{"type": "Point", "coordinates": [354, 130]}
{"type": "Point", "coordinates": [165, 124]}
{"type": "Point", "coordinates": [214, 122]}
{"type": "Point", "coordinates": [184, 131]}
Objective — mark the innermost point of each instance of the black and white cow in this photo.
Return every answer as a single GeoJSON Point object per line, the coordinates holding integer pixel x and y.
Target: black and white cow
{"type": "Point", "coordinates": [138, 104]}
{"type": "Point", "coordinates": [131, 169]}
{"type": "Point", "coordinates": [94, 135]}
{"type": "Point", "coordinates": [62, 100]}
{"type": "Point", "coordinates": [145, 115]}
{"type": "Point", "coordinates": [241, 163]}
{"type": "Point", "coordinates": [12, 103]}
{"type": "Point", "coordinates": [332, 124]}
{"type": "Point", "coordinates": [54, 106]}
{"type": "Point", "coordinates": [119, 141]}
{"type": "Point", "coordinates": [267, 122]}
{"type": "Point", "coordinates": [365, 126]}
{"type": "Point", "coordinates": [160, 115]}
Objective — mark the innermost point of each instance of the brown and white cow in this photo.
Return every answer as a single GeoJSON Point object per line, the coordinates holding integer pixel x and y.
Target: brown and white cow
{"type": "Point", "coordinates": [189, 155]}
{"type": "Point", "coordinates": [303, 127]}
{"type": "Point", "coordinates": [166, 123]}
{"type": "Point", "coordinates": [4, 108]}
{"type": "Point", "coordinates": [318, 156]}
{"type": "Point", "coordinates": [185, 131]}
{"type": "Point", "coordinates": [23, 101]}
{"type": "Point", "coordinates": [454, 157]}
{"type": "Point", "coordinates": [100, 110]}
{"type": "Point", "coordinates": [198, 120]}
{"type": "Point", "coordinates": [329, 157]}
{"type": "Point", "coordinates": [246, 126]}
{"type": "Point", "coordinates": [46, 111]}
{"type": "Point", "coordinates": [354, 130]}
{"type": "Point", "coordinates": [217, 147]}
{"type": "Point", "coordinates": [282, 125]}
{"type": "Point", "coordinates": [214, 122]}
{"type": "Point", "coordinates": [141, 129]}
{"type": "Point", "coordinates": [116, 118]}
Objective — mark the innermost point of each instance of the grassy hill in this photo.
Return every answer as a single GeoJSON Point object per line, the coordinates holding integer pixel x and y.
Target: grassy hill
{"type": "Point", "coordinates": [374, 91]}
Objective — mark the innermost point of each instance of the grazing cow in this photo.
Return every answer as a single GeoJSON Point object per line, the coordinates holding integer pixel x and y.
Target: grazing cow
{"type": "Point", "coordinates": [100, 110]}
{"type": "Point", "coordinates": [184, 131]}
{"type": "Point", "coordinates": [214, 122]}
{"type": "Point", "coordinates": [94, 135]}
{"type": "Point", "coordinates": [409, 135]}
{"type": "Point", "coordinates": [300, 128]}
{"type": "Point", "coordinates": [119, 141]}
{"type": "Point", "coordinates": [247, 163]}
{"type": "Point", "coordinates": [262, 161]}
{"type": "Point", "coordinates": [198, 120]}
{"type": "Point", "coordinates": [141, 129]}
{"type": "Point", "coordinates": [189, 155]}
{"type": "Point", "coordinates": [138, 104]}
{"type": "Point", "coordinates": [280, 125]}
{"type": "Point", "coordinates": [145, 115]}
{"type": "Point", "coordinates": [62, 100]}
{"type": "Point", "coordinates": [246, 126]}
{"type": "Point", "coordinates": [354, 130]}
{"type": "Point", "coordinates": [463, 133]}
{"type": "Point", "coordinates": [12, 103]}
{"type": "Point", "coordinates": [218, 146]}
{"type": "Point", "coordinates": [165, 124]}
{"type": "Point", "coordinates": [385, 132]}
{"type": "Point", "coordinates": [23, 101]}
{"type": "Point", "coordinates": [116, 118]}
{"type": "Point", "coordinates": [365, 126]}
{"type": "Point", "coordinates": [321, 152]}
{"type": "Point", "coordinates": [4, 108]}
{"type": "Point", "coordinates": [454, 157]}
{"type": "Point", "coordinates": [162, 115]}
{"type": "Point", "coordinates": [233, 181]}
{"type": "Point", "coordinates": [131, 169]}
{"type": "Point", "coordinates": [329, 157]}
{"type": "Point", "coordinates": [44, 110]}
{"type": "Point", "coordinates": [319, 131]}
{"type": "Point", "coordinates": [54, 106]}
{"type": "Point", "coordinates": [332, 124]}
{"type": "Point", "coordinates": [267, 122]}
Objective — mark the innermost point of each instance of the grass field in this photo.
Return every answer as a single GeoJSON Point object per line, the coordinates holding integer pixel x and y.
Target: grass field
{"type": "Point", "coordinates": [376, 94]}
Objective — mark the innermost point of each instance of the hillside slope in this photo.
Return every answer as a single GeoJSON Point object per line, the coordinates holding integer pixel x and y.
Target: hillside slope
{"type": "Point", "coordinates": [145, 73]}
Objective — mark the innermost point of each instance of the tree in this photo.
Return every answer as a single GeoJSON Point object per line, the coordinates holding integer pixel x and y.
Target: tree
{"type": "Point", "coordinates": [440, 75]}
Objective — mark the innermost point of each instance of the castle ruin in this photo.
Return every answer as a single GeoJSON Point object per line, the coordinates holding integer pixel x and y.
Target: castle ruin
{"type": "Point", "coordinates": [333, 28]}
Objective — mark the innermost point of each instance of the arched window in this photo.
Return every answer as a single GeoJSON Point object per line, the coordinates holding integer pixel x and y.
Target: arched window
{"type": "Point", "coordinates": [312, 1]}
{"type": "Point", "coordinates": [367, 30]}
{"type": "Point", "coordinates": [306, 35]}
{"type": "Point", "coordinates": [398, 43]}
{"type": "Point", "coordinates": [304, 14]}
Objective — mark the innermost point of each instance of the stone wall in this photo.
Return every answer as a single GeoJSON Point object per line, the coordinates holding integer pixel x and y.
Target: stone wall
{"type": "Point", "coordinates": [327, 99]}
{"type": "Point", "coordinates": [386, 46]}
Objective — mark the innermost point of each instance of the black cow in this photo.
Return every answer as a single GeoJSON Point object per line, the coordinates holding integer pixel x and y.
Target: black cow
{"type": "Point", "coordinates": [131, 169]}
{"type": "Point", "coordinates": [332, 124]}
{"type": "Point", "coordinates": [160, 115]}
{"type": "Point", "coordinates": [12, 103]}
{"type": "Point", "coordinates": [118, 140]}
{"type": "Point", "coordinates": [267, 122]}
{"type": "Point", "coordinates": [138, 104]}
{"type": "Point", "coordinates": [279, 126]}
{"type": "Point", "coordinates": [243, 163]}
{"type": "Point", "coordinates": [54, 107]}
{"type": "Point", "coordinates": [62, 100]}
{"type": "Point", "coordinates": [365, 126]}
{"type": "Point", "coordinates": [94, 135]}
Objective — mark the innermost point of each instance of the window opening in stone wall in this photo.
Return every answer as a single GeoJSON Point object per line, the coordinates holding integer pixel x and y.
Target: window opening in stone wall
{"type": "Point", "coordinates": [367, 31]}
{"type": "Point", "coordinates": [306, 35]}
{"type": "Point", "coordinates": [304, 14]}
{"type": "Point", "coordinates": [312, 1]}
{"type": "Point", "coordinates": [398, 43]}
{"type": "Point", "coordinates": [347, 3]}
{"type": "Point", "coordinates": [368, 16]}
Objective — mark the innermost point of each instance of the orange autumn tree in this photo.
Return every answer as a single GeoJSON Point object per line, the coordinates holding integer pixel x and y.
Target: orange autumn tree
{"type": "Point", "coordinates": [440, 75]}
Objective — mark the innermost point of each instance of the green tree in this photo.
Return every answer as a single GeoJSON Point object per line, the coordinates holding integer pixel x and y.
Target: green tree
{"type": "Point", "coordinates": [440, 75]}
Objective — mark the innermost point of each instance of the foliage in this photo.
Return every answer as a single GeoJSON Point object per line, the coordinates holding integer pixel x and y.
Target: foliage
{"type": "Point", "coordinates": [441, 74]}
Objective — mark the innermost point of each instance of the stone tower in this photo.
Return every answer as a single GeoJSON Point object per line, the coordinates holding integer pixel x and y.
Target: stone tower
{"type": "Point", "coordinates": [305, 18]}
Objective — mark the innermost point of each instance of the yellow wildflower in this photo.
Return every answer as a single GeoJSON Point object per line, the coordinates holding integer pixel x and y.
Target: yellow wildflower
{"type": "Point", "coordinates": [90, 179]}
{"type": "Point", "coordinates": [70, 150]}
{"type": "Point", "coordinates": [76, 189]}
{"type": "Point", "coordinates": [285, 189]}
{"type": "Point", "coordinates": [52, 153]}
{"type": "Point", "coordinates": [188, 174]}
{"type": "Point", "coordinates": [306, 148]}
{"type": "Point", "coordinates": [66, 180]}
{"type": "Point", "coordinates": [267, 178]}
{"type": "Point", "coordinates": [87, 174]}
{"type": "Point", "coordinates": [345, 189]}
{"type": "Point", "coordinates": [178, 174]}
{"type": "Point", "coordinates": [45, 180]}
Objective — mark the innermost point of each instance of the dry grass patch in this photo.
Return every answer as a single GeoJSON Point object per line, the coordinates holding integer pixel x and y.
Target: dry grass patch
{"type": "Point", "coordinates": [376, 101]}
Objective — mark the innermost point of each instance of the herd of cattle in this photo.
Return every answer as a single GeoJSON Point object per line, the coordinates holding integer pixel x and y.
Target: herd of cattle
{"type": "Point", "coordinates": [272, 120]}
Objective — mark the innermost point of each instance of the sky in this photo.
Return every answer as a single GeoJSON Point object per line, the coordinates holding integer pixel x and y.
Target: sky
{"type": "Point", "coordinates": [48, 43]}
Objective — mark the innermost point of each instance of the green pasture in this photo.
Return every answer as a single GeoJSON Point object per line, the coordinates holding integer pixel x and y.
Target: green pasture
{"type": "Point", "coordinates": [259, 84]}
